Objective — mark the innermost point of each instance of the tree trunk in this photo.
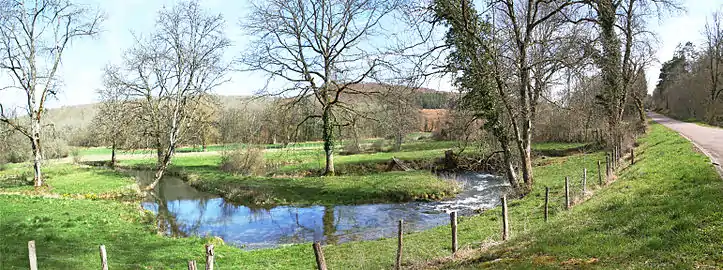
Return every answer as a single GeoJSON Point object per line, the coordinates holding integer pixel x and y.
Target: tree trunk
{"type": "Point", "coordinates": [710, 117]}
{"type": "Point", "coordinates": [399, 139]}
{"type": "Point", "coordinates": [159, 153]}
{"type": "Point", "coordinates": [509, 167]}
{"type": "Point", "coordinates": [328, 137]}
{"type": "Point", "coordinates": [112, 155]}
{"type": "Point", "coordinates": [526, 154]}
{"type": "Point", "coordinates": [355, 134]}
{"type": "Point", "coordinates": [37, 160]}
{"type": "Point", "coordinates": [165, 160]}
{"type": "Point", "coordinates": [641, 114]}
{"type": "Point", "coordinates": [160, 171]}
{"type": "Point", "coordinates": [611, 68]}
{"type": "Point", "coordinates": [37, 153]}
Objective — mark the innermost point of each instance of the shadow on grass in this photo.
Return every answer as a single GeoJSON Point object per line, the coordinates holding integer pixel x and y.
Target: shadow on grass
{"type": "Point", "coordinates": [563, 152]}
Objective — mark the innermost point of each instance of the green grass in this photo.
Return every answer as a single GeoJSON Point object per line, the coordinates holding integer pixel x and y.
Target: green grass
{"type": "Point", "coordinates": [350, 187]}
{"type": "Point", "coordinates": [68, 232]}
{"type": "Point", "coordinates": [328, 190]}
{"type": "Point", "coordinates": [556, 146]}
{"type": "Point", "coordinates": [356, 184]}
{"type": "Point", "coordinates": [664, 212]}
{"type": "Point", "coordinates": [69, 179]}
{"type": "Point", "coordinates": [210, 148]}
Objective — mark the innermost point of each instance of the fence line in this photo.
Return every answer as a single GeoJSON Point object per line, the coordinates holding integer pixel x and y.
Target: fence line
{"type": "Point", "coordinates": [317, 247]}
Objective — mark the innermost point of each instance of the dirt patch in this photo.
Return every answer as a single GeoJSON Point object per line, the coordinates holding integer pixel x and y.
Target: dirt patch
{"type": "Point", "coordinates": [462, 256]}
{"type": "Point", "coordinates": [545, 161]}
{"type": "Point", "coordinates": [579, 262]}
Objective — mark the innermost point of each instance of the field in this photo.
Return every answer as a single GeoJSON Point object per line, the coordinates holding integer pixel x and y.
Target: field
{"type": "Point", "coordinates": [662, 212]}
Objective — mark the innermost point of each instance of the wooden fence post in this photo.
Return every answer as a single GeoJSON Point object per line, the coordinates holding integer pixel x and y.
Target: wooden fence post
{"type": "Point", "coordinates": [319, 254]}
{"type": "Point", "coordinates": [453, 222]}
{"type": "Point", "coordinates": [191, 265]}
{"type": "Point", "coordinates": [547, 202]}
{"type": "Point", "coordinates": [615, 158]}
{"type": "Point", "coordinates": [584, 181]}
{"type": "Point", "coordinates": [567, 193]}
{"type": "Point", "coordinates": [103, 258]}
{"type": "Point", "coordinates": [400, 245]}
{"type": "Point", "coordinates": [32, 256]}
{"type": "Point", "coordinates": [505, 221]}
{"type": "Point", "coordinates": [209, 257]}
{"type": "Point", "coordinates": [632, 156]}
{"type": "Point", "coordinates": [607, 167]}
{"type": "Point", "coordinates": [599, 173]}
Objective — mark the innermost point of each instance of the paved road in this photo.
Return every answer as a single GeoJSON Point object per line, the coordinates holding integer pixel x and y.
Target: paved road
{"type": "Point", "coordinates": [710, 139]}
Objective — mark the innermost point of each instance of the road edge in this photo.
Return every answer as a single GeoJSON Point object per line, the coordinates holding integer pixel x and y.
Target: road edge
{"type": "Point", "coordinates": [715, 162]}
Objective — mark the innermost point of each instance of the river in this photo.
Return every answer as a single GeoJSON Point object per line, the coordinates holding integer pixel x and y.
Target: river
{"type": "Point", "coordinates": [185, 211]}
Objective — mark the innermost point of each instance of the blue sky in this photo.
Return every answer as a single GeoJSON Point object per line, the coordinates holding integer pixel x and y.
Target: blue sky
{"type": "Point", "coordinates": [84, 61]}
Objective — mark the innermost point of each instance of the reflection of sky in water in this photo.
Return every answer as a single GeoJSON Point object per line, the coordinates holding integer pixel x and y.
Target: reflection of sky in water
{"type": "Point", "coordinates": [203, 214]}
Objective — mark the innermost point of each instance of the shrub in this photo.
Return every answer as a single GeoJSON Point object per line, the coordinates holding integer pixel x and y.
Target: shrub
{"type": "Point", "coordinates": [77, 157]}
{"type": "Point", "coordinates": [244, 161]}
{"type": "Point", "coordinates": [441, 135]}
{"type": "Point", "coordinates": [350, 148]}
{"type": "Point", "coordinates": [17, 156]}
{"type": "Point", "coordinates": [378, 145]}
{"type": "Point", "coordinates": [55, 148]}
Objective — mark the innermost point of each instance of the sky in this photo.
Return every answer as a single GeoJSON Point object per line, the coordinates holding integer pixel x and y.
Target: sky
{"type": "Point", "coordinates": [83, 62]}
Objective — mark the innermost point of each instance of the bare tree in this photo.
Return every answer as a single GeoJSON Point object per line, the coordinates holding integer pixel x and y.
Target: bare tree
{"type": "Point", "coordinates": [714, 49]}
{"type": "Point", "coordinates": [475, 58]}
{"type": "Point", "coordinates": [168, 74]}
{"type": "Point", "coordinates": [527, 44]}
{"type": "Point", "coordinates": [621, 26]}
{"type": "Point", "coordinates": [399, 111]}
{"type": "Point", "coordinates": [113, 124]}
{"type": "Point", "coordinates": [320, 48]}
{"type": "Point", "coordinates": [204, 128]}
{"type": "Point", "coordinates": [33, 37]}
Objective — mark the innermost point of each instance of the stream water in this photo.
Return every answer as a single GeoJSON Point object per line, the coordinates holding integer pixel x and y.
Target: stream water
{"type": "Point", "coordinates": [185, 211]}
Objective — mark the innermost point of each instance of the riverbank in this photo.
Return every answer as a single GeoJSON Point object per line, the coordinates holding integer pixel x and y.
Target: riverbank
{"type": "Point", "coordinates": [360, 179]}
{"type": "Point", "coordinates": [75, 227]}
{"type": "Point", "coordinates": [664, 212]}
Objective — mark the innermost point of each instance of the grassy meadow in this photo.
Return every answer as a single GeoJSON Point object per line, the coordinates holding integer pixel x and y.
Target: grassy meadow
{"type": "Point", "coordinates": [662, 212]}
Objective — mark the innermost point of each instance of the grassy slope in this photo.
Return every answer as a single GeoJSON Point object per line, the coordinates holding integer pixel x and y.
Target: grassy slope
{"type": "Point", "coordinates": [664, 212]}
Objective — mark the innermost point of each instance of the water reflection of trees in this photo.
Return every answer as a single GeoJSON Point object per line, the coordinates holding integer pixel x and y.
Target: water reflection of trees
{"type": "Point", "coordinates": [183, 212]}
{"type": "Point", "coordinates": [330, 225]}
{"type": "Point", "coordinates": [167, 218]}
